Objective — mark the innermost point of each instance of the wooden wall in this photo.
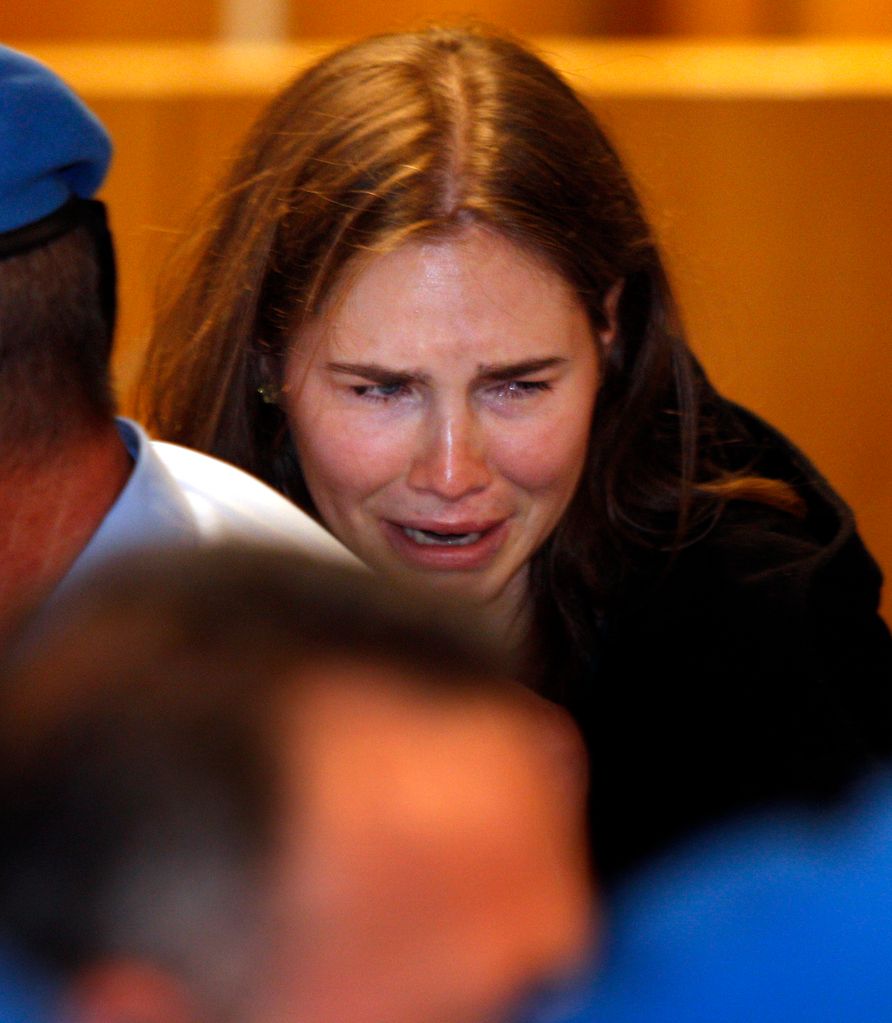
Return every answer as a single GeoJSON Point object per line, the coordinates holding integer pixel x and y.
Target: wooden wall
{"type": "Point", "coordinates": [768, 171]}
{"type": "Point", "coordinates": [280, 20]}
{"type": "Point", "coordinates": [22, 21]}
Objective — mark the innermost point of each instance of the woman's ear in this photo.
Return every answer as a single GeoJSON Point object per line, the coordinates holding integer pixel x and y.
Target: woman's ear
{"type": "Point", "coordinates": [610, 308]}
{"type": "Point", "coordinates": [269, 388]}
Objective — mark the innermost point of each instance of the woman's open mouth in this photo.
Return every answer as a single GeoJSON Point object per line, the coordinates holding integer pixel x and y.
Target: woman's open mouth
{"type": "Point", "coordinates": [459, 546]}
{"type": "Point", "coordinates": [433, 538]}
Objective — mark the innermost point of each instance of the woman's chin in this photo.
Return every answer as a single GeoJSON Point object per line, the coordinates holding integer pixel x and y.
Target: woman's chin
{"type": "Point", "coordinates": [502, 603]}
{"type": "Point", "coordinates": [469, 588]}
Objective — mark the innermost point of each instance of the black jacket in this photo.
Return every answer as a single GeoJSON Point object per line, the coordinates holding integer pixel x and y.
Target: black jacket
{"type": "Point", "coordinates": [754, 670]}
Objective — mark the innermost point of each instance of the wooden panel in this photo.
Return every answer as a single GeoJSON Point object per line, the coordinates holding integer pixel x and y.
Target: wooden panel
{"type": "Point", "coordinates": [523, 17]}
{"type": "Point", "coordinates": [768, 171]}
{"type": "Point", "coordinates": [854, 17]}
{"type": "Point", "coordinates": [21, 20]}
{"type": "Point", "coordinates": [63, 20]}
{"type": "Point", "coordinates": [95, 20]}
{"type": "Point", "coordinates": [706, 17]}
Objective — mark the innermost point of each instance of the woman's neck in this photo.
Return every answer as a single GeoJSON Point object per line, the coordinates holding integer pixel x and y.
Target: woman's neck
{"type": "Point", "coordinates": [510, 617]}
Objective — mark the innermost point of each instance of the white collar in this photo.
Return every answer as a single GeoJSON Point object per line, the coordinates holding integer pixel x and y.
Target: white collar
{"type": "Point", "coordinates": [150, 510]}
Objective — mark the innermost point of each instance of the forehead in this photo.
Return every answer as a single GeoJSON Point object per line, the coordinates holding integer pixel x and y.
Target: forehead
{"type": "Point", "coordinates": [350, 716]}
{"type": "Point", "coordinates": [379, 752]}
{"type": "Point", "coordinates": [477, 293]}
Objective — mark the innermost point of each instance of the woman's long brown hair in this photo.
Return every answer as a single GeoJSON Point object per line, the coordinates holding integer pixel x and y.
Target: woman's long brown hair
{"type": "Point", "coordinates": [419, 136]}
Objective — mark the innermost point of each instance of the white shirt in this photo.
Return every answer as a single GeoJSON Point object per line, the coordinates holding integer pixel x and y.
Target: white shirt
{"type": "Point", "coordinates": [176, 496]}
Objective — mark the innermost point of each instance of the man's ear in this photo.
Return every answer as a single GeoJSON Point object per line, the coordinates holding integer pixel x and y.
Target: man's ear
{"type": "Point", "coordinates": [611, 307]}
{"type": "Point", "coordinates": [129, 991]}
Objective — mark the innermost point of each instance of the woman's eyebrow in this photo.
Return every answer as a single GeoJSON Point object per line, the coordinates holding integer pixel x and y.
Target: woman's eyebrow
{"type": "Point", "coordinates": [494, 372]}
{"type": "Point", "coordinates": [510, 371]}
{"type": "Point", "coordinates": [377, 373]}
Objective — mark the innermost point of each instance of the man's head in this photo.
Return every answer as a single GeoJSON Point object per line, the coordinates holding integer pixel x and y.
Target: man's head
{"type": "Point", "coordinates": [57, 280]}
{"type": "Point", "coordinates": [240, 785]}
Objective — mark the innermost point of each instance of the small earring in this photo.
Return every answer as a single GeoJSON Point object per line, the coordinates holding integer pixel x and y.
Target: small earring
{"type": "Point", "coordinates": [269, 394]}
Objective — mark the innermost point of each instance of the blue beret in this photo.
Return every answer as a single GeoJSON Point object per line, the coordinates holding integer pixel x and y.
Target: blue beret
{"type": "Point", "coordinates": [52, 148]}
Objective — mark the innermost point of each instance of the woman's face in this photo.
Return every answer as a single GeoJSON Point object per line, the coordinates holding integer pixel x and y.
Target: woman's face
{"type": "Point", "coordinates": [441, 409]}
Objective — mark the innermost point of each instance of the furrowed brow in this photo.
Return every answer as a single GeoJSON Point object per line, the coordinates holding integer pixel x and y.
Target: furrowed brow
{"type": "Point", "coordinates": [518, 369]}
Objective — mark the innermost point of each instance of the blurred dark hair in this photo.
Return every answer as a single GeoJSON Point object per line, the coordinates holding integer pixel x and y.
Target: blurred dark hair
{"type": "Point", "coordinates": [419, 136]}
{"type": "Point", "coordinates": [139, 757]}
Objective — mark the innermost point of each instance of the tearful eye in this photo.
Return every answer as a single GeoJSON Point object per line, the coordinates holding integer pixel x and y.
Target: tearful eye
{"type": "Point", "coordinates": [379, 392]}
{"type": "Point", "coordinates": [517, 389]}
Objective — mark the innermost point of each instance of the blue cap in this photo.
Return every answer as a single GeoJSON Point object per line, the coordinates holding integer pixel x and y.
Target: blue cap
{"type": "Point", "coordinates": [52, 148]}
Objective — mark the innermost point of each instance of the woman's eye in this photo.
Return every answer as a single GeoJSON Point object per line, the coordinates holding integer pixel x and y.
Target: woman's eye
{"type": "Point", "coordinates": [514, 390]}
{"type": "Point", "coordinates": [379, 392]}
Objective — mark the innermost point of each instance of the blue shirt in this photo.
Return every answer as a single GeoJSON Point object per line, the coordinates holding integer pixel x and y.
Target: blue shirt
{"type": "Point", "coordinates": [787, 919]}
{"type": "Point", "coordinates": [25, 996]}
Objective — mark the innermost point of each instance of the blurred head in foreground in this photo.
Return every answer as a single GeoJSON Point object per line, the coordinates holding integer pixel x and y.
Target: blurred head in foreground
{"type": "Point", "coordinates": [240, 786]}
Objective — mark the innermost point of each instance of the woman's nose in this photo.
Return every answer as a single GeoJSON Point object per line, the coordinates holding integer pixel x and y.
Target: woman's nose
{"type": "Point", "coordinates": [450, 460]}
